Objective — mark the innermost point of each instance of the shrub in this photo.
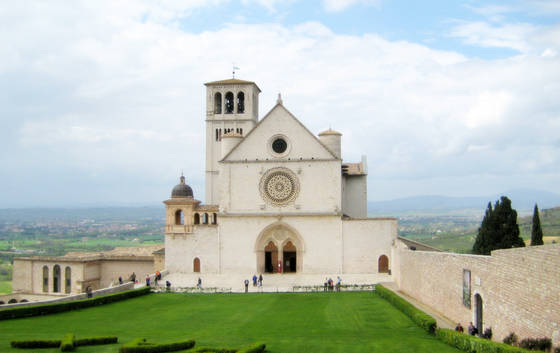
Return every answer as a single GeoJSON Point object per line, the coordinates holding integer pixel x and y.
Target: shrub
{"type": "Point", "coordinates": [67, 343]}
{"type": "Point", "coordinates": [94, 341]}
{"type": "Point", "coordinates": [422, 319]}
{"type": "Point", "coordinates": [46, 309]}
{"type": "Point", "coordinates": [36, 344]}
{"type": "Point", "coordinates": [474, 344]}
{"type": "Point", "coordinates": [254, 348]}
{"type": "Point", "coordinates": [536, 344]}
{"type": "Point", "coordinates": [141, 345]}
{"type": "Point", "coordinates": [214, 350]}
{"type": "Point", "coordinates": [511, 339]}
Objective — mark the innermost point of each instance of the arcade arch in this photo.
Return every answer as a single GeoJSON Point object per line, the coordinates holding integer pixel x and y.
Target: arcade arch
{"type": "Point", "coordinates": [279, 249]}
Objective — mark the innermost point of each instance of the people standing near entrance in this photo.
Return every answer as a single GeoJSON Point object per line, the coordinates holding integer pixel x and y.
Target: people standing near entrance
{"type": "Point", "coordinates": [472, 330]}
{"type": "Point", "coordinates": [254, 280]}
{"type": "Point", "coordinates": [246, 285]}
{"type": "Point", "coordinates": [260, 280]}
{"type": "Point", "coordinates": [147, 280]}
{"type": "Point", "coordinates": [199, 283]}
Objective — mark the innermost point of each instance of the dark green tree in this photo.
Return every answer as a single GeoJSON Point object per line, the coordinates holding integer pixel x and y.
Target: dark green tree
{"type": "Point", "coordinates": [499, 229]}
{"type": "Point", "coordinates": [481, 244]}
{"type": "Point", "coordinates": [536, 234]}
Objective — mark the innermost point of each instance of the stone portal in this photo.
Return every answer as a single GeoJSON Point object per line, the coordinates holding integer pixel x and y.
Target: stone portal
{"type": "Point", "coordinates": [279, 249]}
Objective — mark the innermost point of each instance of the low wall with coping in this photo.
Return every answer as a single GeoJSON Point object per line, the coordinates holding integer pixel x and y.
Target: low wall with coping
{"type": "Point", "coordinates": [50, 300]}
{"type": "Point", "coordinates": [519, 288]}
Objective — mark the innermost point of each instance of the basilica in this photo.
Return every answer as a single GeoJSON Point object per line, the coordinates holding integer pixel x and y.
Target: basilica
{"type": "Point", "coordinates": [279, 199]}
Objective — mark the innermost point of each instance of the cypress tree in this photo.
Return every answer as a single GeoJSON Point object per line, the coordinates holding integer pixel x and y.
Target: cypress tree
{"type": "Point", "coordinates": [483, 238]}
{"type": "Point", "coordinates": [536, 234]}
{"type": "Point", "coordinates": [499, 229]}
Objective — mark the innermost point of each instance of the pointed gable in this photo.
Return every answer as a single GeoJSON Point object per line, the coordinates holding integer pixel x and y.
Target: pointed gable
{"type": "Point", "coordinates": [279, 123]}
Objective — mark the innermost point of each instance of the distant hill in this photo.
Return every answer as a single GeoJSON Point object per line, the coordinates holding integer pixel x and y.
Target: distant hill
{"type": "Point", "coordinates": [523, 200]}
{"type": "Point", "coordinates": [550, 222]}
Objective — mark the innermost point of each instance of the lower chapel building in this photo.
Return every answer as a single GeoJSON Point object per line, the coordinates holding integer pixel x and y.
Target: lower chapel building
{"type": "Point", "coordinates": [280, 200]}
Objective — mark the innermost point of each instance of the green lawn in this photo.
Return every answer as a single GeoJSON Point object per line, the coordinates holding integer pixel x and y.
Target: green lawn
{"type": "Point", "coordinates": [5, 287]}
{"type": "Point", "coordinates": [314, 322]}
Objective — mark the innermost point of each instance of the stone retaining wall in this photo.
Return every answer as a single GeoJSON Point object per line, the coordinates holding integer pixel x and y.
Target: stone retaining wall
{"type": "Point", "coordinates": [520, 288]}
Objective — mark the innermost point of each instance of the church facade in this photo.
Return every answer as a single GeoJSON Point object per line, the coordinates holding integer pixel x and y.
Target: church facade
{"type": "Point", "coordinates": [278, 198]}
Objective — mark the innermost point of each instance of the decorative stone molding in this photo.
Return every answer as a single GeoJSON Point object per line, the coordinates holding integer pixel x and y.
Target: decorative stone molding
{"type": "Point", "coordinates": [279, 186]}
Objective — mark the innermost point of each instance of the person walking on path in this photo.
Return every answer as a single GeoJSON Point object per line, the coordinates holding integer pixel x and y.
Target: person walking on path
{"type": "Point", "coordinates": [254, 280]}
{"type": "Point", "coordinates": [260, 280]}
{"type": "Point", "coordinates": [147, 280]}
{"type": "Point", "coordinates": [338, 283]}
{"type": "Point", "coordinates": [199, 283]}
{"type": "Point", "coordinates": [246, 285]}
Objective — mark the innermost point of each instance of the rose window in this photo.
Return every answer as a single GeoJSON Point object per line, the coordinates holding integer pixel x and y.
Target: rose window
{"type": "Point", "coordinates": [279, 186]}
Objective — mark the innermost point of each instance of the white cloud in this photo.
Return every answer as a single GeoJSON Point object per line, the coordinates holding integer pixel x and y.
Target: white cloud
{"type": "Point", "coordinates": [341, 5]}
{"type": "Point", "coordinates": [120, 95]}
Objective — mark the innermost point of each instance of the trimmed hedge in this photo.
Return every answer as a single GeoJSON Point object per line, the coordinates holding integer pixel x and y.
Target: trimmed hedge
{"type": "Point", "coordinates": [67, 343]}
{"type": "Point", "coordinates": [423, 320]}
{"type": "Point", "coordinates": [254, 348]}
{"type": "Point", "coordinates": [95, 341]}
{"type": "Point", "coordinates": [141, 345]}
{"type": "Point", "coordinates": [46, 309]}
{"type": "Point", "coordinates": [36, 344]}
{"type": "Point", "coordinates": [473, 344]}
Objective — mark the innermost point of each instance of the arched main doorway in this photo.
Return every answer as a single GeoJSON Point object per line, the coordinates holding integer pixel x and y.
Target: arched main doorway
{"type": "Point", "coordinates": [270, 258]}
{"type": "Point", "coordinates": [478, 308]}
{"type": "Point", "coordinates": [290, 257]}
{"type": "Point", "coordinates": [279, 249]}
{"type": "Point", "coordinates": [383, 264]}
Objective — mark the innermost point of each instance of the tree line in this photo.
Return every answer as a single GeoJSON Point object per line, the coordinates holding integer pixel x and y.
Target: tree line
{"type": "Point", "coordinates": [499, 229]}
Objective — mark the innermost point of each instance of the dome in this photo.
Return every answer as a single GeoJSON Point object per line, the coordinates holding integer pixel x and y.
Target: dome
{"type": "Point", "coordinates": [182, 189]}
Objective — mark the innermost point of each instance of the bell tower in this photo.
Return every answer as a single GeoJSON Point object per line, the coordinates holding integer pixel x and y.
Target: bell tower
{"type": "Point", "coordinates": [231, 106]}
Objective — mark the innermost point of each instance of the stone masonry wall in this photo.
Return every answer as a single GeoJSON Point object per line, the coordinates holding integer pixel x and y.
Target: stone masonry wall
{"type": "Point", "coordinates": [520, 288]}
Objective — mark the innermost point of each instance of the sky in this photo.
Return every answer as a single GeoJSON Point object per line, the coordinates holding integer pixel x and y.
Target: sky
{"type": "Point", "coordinates": [103, 102]}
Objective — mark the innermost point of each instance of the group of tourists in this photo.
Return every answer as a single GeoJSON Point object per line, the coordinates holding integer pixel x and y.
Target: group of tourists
{"type": "Point", "coordinates": [257, 281]}
{"type": "Point", "coordinates": [472, 330]}
{"type": "Point", "coordinates": [329, 284]}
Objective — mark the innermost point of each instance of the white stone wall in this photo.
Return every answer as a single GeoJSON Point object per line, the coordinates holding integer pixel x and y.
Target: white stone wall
{"type": "Point", "coordinates": [111, 270]}
{"type": "Point", "coordinates": [354, 196]}
{"type": "Point", "coordinates": [320, 235]}
{"type": "Point", "coordinates": [365, 240]}
{"type": "Point", "coordinates": [180, 250]}
{"type": "Point", "coordinates": [320, 188]}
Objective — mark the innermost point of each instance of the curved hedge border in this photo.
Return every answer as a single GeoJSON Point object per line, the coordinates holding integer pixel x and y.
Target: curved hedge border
{"type": "Point", "coordinates": [141, 345]}
{"type": "Point", "coordinates": [254, 348]}
{"type": "Point", "coordinates": [46, 309]}
{"type": "Point", "coordinates": [423, 320]}
{"type": "Point", "coordinates": [474, 344]}
{"type": "Point", "coordinates": [68, 341]}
